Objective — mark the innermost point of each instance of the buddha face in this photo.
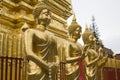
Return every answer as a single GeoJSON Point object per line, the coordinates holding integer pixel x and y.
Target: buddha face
{"type": "Point", "coordinates": [77, 33]}
{"type": "Point", "coordinates": [92, 40]}
{"type": "Point", "coordinates": [45, 17]}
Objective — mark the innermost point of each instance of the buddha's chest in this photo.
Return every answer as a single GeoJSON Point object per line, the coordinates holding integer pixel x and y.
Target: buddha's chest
{"type": "Point", "coordinates": [74, 50]}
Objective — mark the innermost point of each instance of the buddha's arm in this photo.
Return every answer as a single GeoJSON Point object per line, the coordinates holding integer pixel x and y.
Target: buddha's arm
{"type": "Point", "coordinates": [102, 61]}
{"type": "Point", "coordinates": [30, 54]}
{"type": "Point", "coordinates": [72, 59]}
{"type": "Point", "coordinates": [68, 58]}
{"type": "Point", "coordinates": [89, 63]}
{"type": "Point", "coordinates": [84, 51]}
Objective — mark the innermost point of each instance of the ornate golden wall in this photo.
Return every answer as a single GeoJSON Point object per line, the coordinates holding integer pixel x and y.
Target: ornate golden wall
{"type": "Point", "coordinates": [14, 13]}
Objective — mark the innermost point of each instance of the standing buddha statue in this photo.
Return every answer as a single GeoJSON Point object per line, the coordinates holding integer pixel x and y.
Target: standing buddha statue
{"type": "Point", "coordinates": [92, 57]}
{"type": "Point", "coordinates": [41, 46]}
{"type": "Point", "coordinates": [72, 51]}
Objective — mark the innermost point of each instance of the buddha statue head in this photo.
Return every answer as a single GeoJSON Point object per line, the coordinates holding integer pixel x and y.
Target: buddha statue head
{"type": "Point", "coordinates": [88, 37]}
{"type": "Point", "coordinates": [42, 14]}
{"type": "Point", "coordinates": [74, 29]}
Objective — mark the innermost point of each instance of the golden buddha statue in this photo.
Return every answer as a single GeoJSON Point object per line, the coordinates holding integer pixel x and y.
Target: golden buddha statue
{"type": "Point", "coordinates": [73, 51]}
{"type": "Point", "coordinates": [41, 46]}
{"type": "Point", "coordinates": [92, 56]}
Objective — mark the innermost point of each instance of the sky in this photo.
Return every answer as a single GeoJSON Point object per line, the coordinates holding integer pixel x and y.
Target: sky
{"type": "Point", "coordinates": [107, 19]}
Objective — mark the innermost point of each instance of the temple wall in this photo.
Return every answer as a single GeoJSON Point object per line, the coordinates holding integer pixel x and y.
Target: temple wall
{"type": "Point", "coordinates": [114, 63]}
{"type": "Point", "coordinates": [12, 55]}
{"type": "Point", "coordinates": [14, 13]}
{"type": "Point", "coordinates": [111, 70]}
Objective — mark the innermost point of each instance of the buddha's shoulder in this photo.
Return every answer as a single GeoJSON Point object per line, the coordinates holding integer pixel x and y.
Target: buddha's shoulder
{"type": "Point", "coordinates": [30, 30]}
{"type": "Point", "coordinates": [34, 31]}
